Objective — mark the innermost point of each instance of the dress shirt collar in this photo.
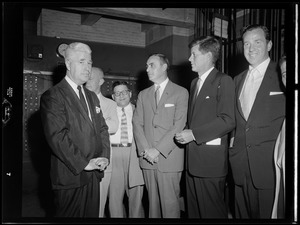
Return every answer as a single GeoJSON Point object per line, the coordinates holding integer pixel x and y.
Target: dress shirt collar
{"type": "Point", "coordinates": [205, 75]}
{"type": "Point", "coordinates": [127, 108]}
{"type": "Point", "coordinates": [261, 68]}
{"type": "Point", "coordinates": [74, 85]}
{"type": "Point", "coordinates": [162, 85]}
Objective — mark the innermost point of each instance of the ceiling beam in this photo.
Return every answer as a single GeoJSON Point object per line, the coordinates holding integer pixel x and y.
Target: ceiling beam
{"type": "Point", "coordinates": [89, 19]}
{"type": "Point", "coordinates": [180, 17]}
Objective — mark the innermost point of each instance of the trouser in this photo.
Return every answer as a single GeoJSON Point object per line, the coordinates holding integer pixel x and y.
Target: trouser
{"type": "Point", "coordinates": [164, 193]}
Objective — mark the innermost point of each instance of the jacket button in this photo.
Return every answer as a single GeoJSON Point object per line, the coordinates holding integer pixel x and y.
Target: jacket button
{"type": "Point", "coordinates": [248, 146]}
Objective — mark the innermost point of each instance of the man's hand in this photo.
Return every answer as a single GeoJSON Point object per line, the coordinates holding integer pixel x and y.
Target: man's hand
{"type": "Point", "coordinates": [99, 163]}
{"type": "Point", "coordinates": [151, 155]}
{"type": "Point", "coordinates": [184, 137]}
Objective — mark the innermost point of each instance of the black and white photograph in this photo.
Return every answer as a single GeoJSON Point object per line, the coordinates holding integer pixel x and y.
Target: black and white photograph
{"type": "Point", "coordinates": [150, 112]}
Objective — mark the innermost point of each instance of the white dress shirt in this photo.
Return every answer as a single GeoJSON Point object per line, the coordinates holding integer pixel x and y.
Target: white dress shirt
{"type": "Point", "coordinates": [116, 138]}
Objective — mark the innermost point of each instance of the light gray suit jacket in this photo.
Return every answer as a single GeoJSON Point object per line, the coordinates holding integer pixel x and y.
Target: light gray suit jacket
{"type": "Point", "coordinates": [155, 127]}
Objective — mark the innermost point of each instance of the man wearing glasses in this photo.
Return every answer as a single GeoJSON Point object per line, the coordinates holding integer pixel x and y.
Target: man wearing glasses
{"type": "Point", "coordinates": [126, 174]}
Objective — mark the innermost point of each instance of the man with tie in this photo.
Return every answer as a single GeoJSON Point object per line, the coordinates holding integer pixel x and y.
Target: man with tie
{"type": "Point", "coordinates": [160, 113]}
{"type": "Point", "coordinates": [259, 111]}
{"type": "Point", "coordinates": [126, 173]}
{"type": "Point", "coordinates": [210, 120]}
{"type": "Point", "coordinates": [78, 136]}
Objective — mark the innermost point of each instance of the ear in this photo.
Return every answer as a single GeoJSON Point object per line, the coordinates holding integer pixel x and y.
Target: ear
{"type": "Point", "coordinates": [113, 97]}
{"type": "Point", "coordinates": [269, 45]}
{"type": "Point", "coordinates": [165, 67]}
{"type": "Point", "coordinates": [67, 62]}
{"type": "Point", "coordinates": [101, 82]}
{"type": "Point", "coordinates": [130, 94]}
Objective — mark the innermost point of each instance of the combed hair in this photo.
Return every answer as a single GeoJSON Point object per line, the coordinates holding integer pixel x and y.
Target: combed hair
{"type": "Point", "coordinates": [117, 83]}
{"type": "Point", "coordinates": [163, 59]}
{"type": "Point", "coordinates": [208, 44]}
{"type": "Point", "coordinates": [256, 26]}
{"type": "Point", "coordinates": [77, 46]}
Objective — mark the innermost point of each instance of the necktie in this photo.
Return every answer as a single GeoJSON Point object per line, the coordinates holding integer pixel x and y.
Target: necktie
{"type": "Point", "coordinates": [82, 99]}
{"type": "Point", "coordinates": [247, 96]}
{"type": "Point", "coordinates": [124, 129]}
{"type": "Point", "coordinates": [198, 85]}
{"type": "Point", "coordinates": [157, 95]}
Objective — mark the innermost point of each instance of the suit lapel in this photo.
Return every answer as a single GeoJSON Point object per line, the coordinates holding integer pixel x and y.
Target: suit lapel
{"type": "Point", "coordinates": [240, 87]}
{"type": "Point", "coordinates": [75, 100]}
{"type": "Point", "coordinates": [262, 94]}
{"type": "Point", "coordinates": [205, 89]}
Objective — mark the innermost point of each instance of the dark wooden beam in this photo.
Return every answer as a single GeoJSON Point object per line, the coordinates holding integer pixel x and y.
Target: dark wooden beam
{"type": "Point", "coordinates": [89, 19]}
{"type": "Point", "coordinates": [171, 17]}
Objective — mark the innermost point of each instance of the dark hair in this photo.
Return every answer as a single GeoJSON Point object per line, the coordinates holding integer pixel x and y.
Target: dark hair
{"type": "Point", "coordinates": [163, 59]}
{"type": "Point", "coordinates": [256, 26]}
{"type": "Point", "coordinates": [282, 59]}
{"type": "Point", "coordinates": [117, 83]}
{"type": "Point", "coordinates": [208, 44]}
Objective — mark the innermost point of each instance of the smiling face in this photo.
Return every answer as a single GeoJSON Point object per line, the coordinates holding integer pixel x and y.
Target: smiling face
{"type": "Point", "coordinates": [256, 47]}
{"type": "Point", "coordinates": [121, 95]}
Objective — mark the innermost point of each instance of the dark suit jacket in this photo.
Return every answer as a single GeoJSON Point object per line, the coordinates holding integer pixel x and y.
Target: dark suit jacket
{"type": "Point", "coordinates": [211, 117]}
{"type": "Point", "coordinates": [155, 127]}
{"type": "Point", "coordinates": [72, 136]}
{"type": "Point", "coordinates": [255, 139]}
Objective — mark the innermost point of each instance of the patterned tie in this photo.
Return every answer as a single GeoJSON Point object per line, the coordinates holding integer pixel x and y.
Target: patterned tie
{"type": "Point", "coordinates": [157, 95]}
{"type": "Point", "coordinates": [247, 96]}
{"type": "Point", "coordinates": [82, 99]}
{"type": "Point", "coordinates": [124, 129]}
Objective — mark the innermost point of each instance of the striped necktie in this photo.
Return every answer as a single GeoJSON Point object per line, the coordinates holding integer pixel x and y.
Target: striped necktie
{"type": "Point", "coordinates": [124, 129]}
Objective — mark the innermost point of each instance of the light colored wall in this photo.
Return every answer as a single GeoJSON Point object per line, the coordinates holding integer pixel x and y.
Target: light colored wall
{"type": "Point", "coordinates": [68, 25]}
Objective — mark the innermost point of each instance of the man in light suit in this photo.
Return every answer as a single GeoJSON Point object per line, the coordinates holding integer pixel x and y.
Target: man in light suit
{"type": "Point", "coordinates": [109, 110]}
{"type": "Point", "coordinates": [126, 173]}
{"type": "Point", "coordinates": [258, 123]}
{"type": "Point", "coordinates": [210, 120]}
{"type": "Point", "coordinates": [155, 122]}
{"type": "Point", "coordinates": [77, 134]}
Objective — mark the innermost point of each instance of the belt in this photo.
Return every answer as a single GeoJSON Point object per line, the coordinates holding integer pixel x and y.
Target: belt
{"type": "Point", "coordinates": [121, 145]}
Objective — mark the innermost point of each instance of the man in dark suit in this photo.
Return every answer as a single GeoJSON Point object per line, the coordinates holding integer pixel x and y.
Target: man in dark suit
{"type": "Point", "coordinates": [210, 120]}
{"type": "Point", "coordinates": [78, 136]}
{"type": "Point", "coordinates": [259, 111]}
{"type": "Point", "coordinates": [155, 122]}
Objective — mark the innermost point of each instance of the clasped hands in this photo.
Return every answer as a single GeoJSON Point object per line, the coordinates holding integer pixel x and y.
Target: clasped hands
{"type": "Point", "coordinates": [184, 137]}
{"type": "Point", "coordinates": [99, 163]}
{"type": "Point", "coordinates": [151, 155]}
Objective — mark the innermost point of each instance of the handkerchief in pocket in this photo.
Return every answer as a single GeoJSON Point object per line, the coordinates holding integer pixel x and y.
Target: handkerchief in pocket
{"type": "Point", "coordinates": [276, 92]}
{"type": "Point", "coordinates": [207, 97]}
{"type": "Point", "coordinates": [169, 105]}
{"type": "Point", "coordinates": [216, 141]}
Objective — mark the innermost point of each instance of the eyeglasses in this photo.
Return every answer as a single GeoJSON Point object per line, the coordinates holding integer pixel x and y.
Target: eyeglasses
{"type": "Point", "coordinates": [119, 93]}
